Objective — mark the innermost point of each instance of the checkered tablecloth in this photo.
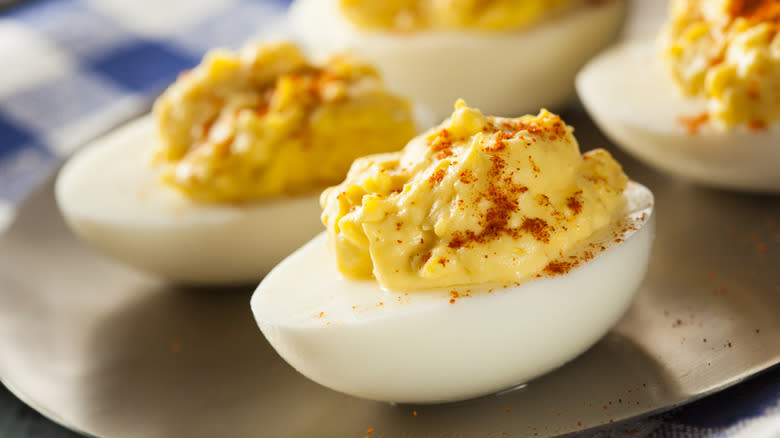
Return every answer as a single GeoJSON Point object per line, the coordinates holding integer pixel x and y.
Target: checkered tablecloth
{"type": "Point", "coordinates": [72, 69]}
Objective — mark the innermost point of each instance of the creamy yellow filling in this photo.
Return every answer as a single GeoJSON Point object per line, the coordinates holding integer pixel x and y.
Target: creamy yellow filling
{"type": "Point", "coordinates": [412, 15]}
{"type": "Point", "coordinates": [727, 52]}
{"type": "Point", "coordinates": [475, 200]}
{"type": "Point", "coordinates": [264, 122]}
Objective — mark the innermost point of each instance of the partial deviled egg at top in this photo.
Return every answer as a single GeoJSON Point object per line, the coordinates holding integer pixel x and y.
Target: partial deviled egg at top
{"type": "Point", "coordinates": [508, 57]}
{"type": "Point", "coordinates": [222, 181]}
{"type": "Point", "coordinates": [702, 101]}
{"type": "Point", "coordinates": [486, 253]}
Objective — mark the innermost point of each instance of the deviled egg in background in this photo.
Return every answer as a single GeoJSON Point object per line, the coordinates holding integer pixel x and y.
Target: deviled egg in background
{"type": "Point", "coordinates": [508, 57]}
{"type": "Point", "coordinates": [223, 181]}
{"type": "Point", "coordinates": [486, 253]}
{"type": "Point", "coordinates": [702, 99]}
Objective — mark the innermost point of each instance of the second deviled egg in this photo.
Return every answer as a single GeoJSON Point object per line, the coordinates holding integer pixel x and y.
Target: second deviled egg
{"type": "Point", "coordinates": [508, 57]}
{"type": "Point", "coordinates": [222, 181]}
{"type": "Point", "coordinates": [703, 100]}
{"type": "Point", "coordinates": [486, 253]}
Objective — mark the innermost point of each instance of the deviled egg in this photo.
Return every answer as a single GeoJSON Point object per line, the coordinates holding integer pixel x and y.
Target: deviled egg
{"type": "Point", "coordinates": [703, 100]}
{"type": "Point", "coordinates": [508, 57]}
{"type": "Point", "coordinates": [486, 253]}
{"type": "Point", "coordinates": [223, 181]}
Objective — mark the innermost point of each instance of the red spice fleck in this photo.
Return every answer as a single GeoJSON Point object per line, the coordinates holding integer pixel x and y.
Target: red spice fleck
{"type": "Point", "coordinates": [467, 177]}
{"type": "Point", "coordinates": [538, 228]}
{"type": "Point", "coordinates": [693, 124]}
{"type": "Point", "coordinates": [499, 144]}
{"type": "Point", "coordinates": [414, 413]}
{"type": "Point", "coordinates": [442, 145]}
{"type": "Point", "coordinates": [753, 90]}
{"type": "Point", "coordinates": [558, 267]}
{"type": "Point", "coordinates": [452, 300]}
{"type": "Point", "coordinates": [262, 110]}
{"type": "Point", "coordinates": [508, 410]}
{"type": "Point", "coordinates": [370, 430]}
{"type": "Point", "coordinates": [534, 167]}
{"type": "Point", "coordinates": [755, 10]}
{"type": "Point", "coordinates": [437, 176]}
{"type": "Point", "coordinates": [443, 261]}
{"type": "Point", "coordinates": [444, 153]}
{"type": "Point", "coordinates": [574, 204]}
{"type": "Point", "coordinates": [756, 125]}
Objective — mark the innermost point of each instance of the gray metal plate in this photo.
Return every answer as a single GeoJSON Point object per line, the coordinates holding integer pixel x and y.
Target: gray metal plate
{"type": "Point", "coordinates": [111, 352]}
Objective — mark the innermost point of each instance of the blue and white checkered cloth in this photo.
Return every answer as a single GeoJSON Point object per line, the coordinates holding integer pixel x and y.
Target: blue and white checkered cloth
{"type": "Point", "coordinates": [73, 69]}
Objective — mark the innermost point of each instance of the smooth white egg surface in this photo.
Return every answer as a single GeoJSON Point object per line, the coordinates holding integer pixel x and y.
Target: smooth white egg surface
{"type": "Point", "coordinates": [452, 344]}
{"type": "Point", "coordinates": [634, 100]}
{"type": "Point", "coordinates": [503, 73]}
{"type": "Point", "coordinates": [111, 197]}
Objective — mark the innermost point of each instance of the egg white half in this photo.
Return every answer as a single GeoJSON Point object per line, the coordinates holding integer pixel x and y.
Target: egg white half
{"type": "Point", "coordinates": [634, 100]}
{"type": "Point", "coordinates": [113, 199]}
{"type": "Point", "coordinates": [502, 73]}
{"type": "Point", "coordinates": [426, 346]}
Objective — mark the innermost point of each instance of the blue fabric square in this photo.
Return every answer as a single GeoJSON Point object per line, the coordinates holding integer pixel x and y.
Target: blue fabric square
{"type": "Point", "coordinates": [12, 137]}
{"type": "Point", "coordinates": [144, 67]}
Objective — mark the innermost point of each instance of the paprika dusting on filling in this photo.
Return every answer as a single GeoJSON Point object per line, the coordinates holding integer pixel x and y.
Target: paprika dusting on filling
{"type": "Point", "coordinates": [755, 11]}
{"type": "Point", "coordinates": [475, 200]}
{"type": "Point", "coordinates": [264, 121]}
{"type": "Point", "coordinates": [728, 53]}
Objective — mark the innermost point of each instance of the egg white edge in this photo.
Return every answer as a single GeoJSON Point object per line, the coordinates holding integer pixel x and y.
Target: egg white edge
{"type": "Point", "coordinates": [171, 236]}
{"type": "Point", "coordinates": [632, 98]}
